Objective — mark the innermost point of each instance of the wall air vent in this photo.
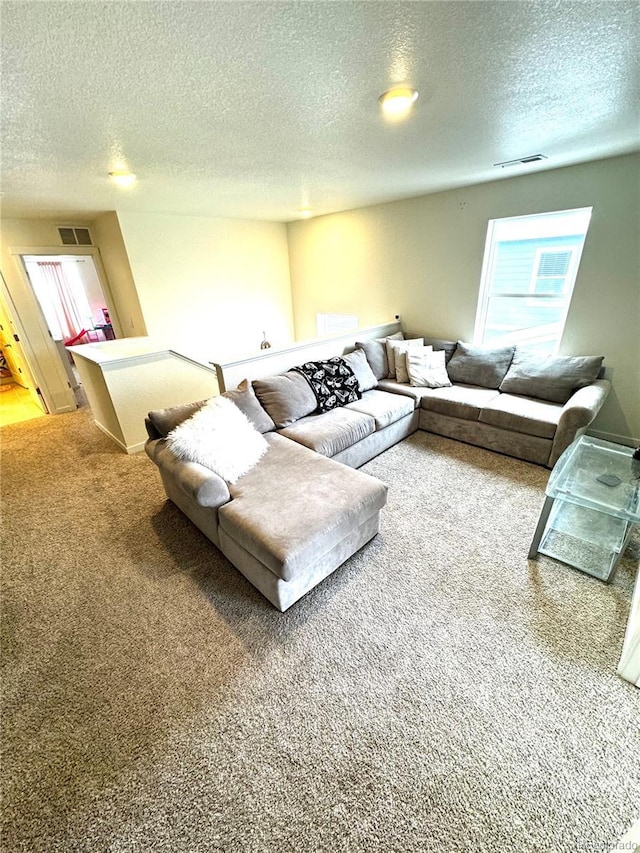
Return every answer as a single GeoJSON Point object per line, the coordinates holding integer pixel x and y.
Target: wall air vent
{"type": "Point", "coordinates": [533, 158]}
{"type": "Point", "coordinates": [72, 236]}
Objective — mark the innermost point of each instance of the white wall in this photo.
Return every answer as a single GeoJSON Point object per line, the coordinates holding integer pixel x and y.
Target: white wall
{"type": "Point", "coordinates": [128, 321]}
{"type": "Point", "coordinates": [422, 258]}
{"type": "Point", "coordinates": [91, 284]}
{"type": "Point", "coordinates": [210, 287]}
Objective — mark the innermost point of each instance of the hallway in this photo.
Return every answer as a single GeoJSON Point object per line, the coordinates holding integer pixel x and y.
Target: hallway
{"type": "Point", "coordinates": [16, 405]}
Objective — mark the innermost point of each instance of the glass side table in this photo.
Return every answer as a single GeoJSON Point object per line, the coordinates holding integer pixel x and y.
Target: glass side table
{"type": "Point", "coordinates": [591, 507]}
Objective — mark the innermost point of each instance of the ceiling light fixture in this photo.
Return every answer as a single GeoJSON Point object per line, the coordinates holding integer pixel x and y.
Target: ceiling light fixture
{"type": "Point", "coordinates": [305, 213]}
{"type": "Point", "coordinates": [397, 103]}
{"type": "Point", "coordinates": [123, 178]}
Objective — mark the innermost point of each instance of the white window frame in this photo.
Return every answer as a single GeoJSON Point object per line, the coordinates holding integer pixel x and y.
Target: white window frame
{"type": "Point", "coordinates": [488, 267]}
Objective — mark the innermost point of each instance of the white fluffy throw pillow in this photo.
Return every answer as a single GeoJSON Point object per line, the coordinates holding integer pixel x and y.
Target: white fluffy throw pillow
{"type": "Point", "coordinates": [221, 437]}
{"type": "Point", "coordinates": [427, 368]}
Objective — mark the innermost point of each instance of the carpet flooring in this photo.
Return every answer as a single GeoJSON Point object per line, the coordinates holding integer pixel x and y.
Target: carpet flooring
{"type": "Point", "coordinates": [439, 692]}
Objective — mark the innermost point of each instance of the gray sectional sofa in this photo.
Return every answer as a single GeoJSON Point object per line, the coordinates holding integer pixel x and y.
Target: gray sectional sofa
{"type": "Point", "coordinates": [304, 509]}
{"type": "Point", "coordinates": [528, 409]}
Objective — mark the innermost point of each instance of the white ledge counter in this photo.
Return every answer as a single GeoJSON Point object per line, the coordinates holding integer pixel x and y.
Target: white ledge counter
{"type": "Point", "coordinates": [126, 378]}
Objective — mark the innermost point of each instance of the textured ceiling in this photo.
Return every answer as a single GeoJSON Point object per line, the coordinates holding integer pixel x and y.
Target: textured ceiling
{"type": "Point", "coordinates": [257, 109]}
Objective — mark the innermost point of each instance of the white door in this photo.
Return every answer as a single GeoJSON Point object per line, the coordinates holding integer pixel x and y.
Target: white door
{"type": "Point", "coordinates": [16, 358]}
{"type": "Point", "coordinates": [36, 349]}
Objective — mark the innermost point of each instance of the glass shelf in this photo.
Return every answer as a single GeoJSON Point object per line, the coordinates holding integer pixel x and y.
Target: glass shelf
{"type": "Point", "coordinates": [584, 538]}
{"type": "Point", "coordinates": [575, 478]}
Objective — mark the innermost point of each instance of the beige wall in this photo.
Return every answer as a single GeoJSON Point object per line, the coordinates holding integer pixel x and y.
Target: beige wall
{"type": "Point", "coordinates": [107, 235]}
{"type": "Point", "coordinates": [422, 259]}
{"type": "Point", "coordinates": [210, 287]}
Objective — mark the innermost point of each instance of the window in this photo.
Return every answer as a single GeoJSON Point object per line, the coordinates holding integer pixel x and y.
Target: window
{"type": "Point", "coordinates": [335, 324]}
{"type": "Point", "coordinates": [529, 270]}
{"type": "Point", "coordinates": [550, 271]}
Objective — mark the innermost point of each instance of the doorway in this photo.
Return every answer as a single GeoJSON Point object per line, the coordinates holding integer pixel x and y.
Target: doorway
{"type": "Point", "coordinates": [59, 297]}
{"type": "Point", "coordinates": [20, 399]}
{"type": "Point", "coordinates": [71, 297]}
{"type": "Point", "coordinates": [73, 303]}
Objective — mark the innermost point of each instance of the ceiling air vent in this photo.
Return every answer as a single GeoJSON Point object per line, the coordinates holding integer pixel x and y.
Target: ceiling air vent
{"type": "Point", "coordinates": [533, 158]}
{"type": "Point", "coordinates": [75, 236]}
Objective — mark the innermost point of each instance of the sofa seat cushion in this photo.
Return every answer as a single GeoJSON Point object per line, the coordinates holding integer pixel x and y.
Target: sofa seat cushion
{"type": "Point", "coordinates": [458, 401]}
{"type": "Point", "coordinates": [522, 414]}
{"type": "Point", "coordinates": [296, 505]}
{"type": "Point", "coordinates": [393, 387]}
{"type": "Point", "coordinates": [331, 432]}
{"type": "Point", "coordinates": [383, 407]}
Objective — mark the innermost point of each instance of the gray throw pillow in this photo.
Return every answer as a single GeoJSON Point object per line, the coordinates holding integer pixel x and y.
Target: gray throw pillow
{"type": "Point", "coordinates": [376, 353]}
{"type": "Point", "coordinates": [287, 397]}
{"type": "Point", "coordinates": [478, 366]}
{"type": "Point", "coordinates": [449, 347]}
{"type": "Point", "coordinates": [554, 378]}
{"type": "Point", "coordinates": [245, 399]}
{"type": "Point", "coordinates": [357, 361]}
{"type": "Point", "coordinates": [164, 420]}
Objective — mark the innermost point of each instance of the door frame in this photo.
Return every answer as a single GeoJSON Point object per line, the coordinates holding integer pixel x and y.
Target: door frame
{"type": "Point", "coordinates": [78, 251]}
{"type": "Point", "coordinates": [41, 350]}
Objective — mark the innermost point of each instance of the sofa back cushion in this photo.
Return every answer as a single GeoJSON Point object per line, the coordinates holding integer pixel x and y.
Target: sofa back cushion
{"type": "Point", "coordinates": [478, 366]}
{"type": "Point", "coordinates": [164, 420]}
{"type": "Point", "coordinates": [449, 347]}
{"type": "Point", "coordinates": [376, 353]}
{"type": "Point", "coordinates": [357, 361]}
{"type": "Point", "coordinates": [245, 399]}
{"type": "Point", "coordinates": [287, 397]}
{"type": "Point", "coordinates": [332, 381]}
{"type": "Point", "coordinates": [554, 378]}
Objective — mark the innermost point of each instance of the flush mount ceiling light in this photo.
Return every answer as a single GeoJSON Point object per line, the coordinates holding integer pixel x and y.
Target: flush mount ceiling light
{"type": "Point", "coordinates": [305, 213]}
{"type": "Point", "coordinates": [397, 103]}
{"type": "Point", "coordinates": [123, 178]}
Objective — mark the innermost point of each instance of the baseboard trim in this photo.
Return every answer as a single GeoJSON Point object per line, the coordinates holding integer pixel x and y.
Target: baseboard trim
{"type": "Point", "coordinates": [627, 440]}
{"type": "Point", "coordinates": [135, 448]}
{"type": "Point", "coordinates": [130, 449]}
{"type": "Point", "coordinates": [111, 436]}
